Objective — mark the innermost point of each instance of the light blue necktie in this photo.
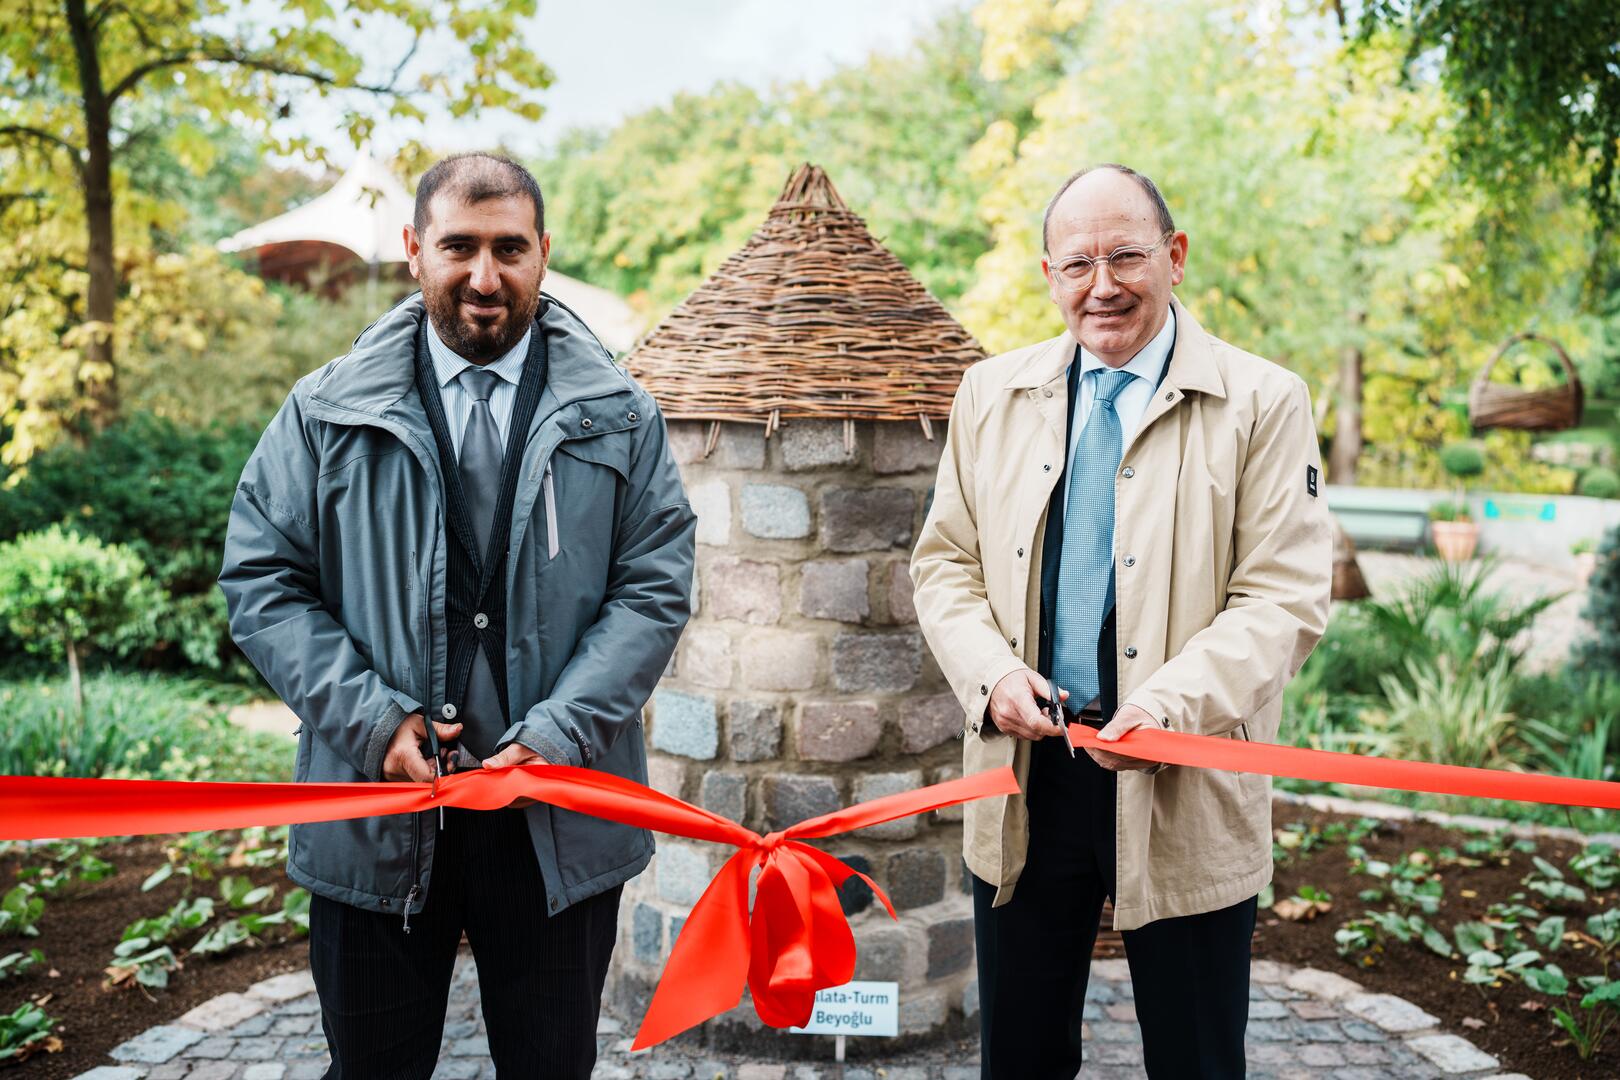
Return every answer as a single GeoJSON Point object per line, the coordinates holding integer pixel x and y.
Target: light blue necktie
{"type": "Point", "coordinates": [1086, 575]}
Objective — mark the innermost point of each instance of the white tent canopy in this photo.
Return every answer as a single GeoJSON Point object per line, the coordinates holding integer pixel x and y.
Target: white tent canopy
{"type": "Point", "coordinates": [366, 212]}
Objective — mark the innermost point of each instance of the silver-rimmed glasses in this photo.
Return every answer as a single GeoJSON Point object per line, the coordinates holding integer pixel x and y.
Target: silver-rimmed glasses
{"type": "Point", "coordinates": [1128, 264]}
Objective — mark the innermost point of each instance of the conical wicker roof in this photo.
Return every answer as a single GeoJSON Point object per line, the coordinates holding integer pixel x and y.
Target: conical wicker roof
{"type": "Point", "coordinates": [812, 318]}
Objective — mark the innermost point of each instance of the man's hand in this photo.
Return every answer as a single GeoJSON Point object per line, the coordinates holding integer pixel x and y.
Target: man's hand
{"type": "Point", "coordinates": [1128, 718]}
{"type": "Point", "coordinates": [1013, 708]}
{"type": "Point", "coordinates": [405, 758]}
{"type": "Point", "coordinates": [515, 754]}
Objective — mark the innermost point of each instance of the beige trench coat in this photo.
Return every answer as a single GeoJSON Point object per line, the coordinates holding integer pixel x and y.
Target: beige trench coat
{"type": "Point", "coordinates": [1218, 499]}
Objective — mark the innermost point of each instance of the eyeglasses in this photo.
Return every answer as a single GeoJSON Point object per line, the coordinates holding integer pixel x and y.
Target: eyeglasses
{"type": "Point", "coordinates": [1127, 264]}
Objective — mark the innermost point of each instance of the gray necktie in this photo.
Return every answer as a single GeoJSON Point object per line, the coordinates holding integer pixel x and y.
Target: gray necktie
{"type": "Point", "coordinates": [480, 468]}
{"type": "Point", "coordinates": [481, 454]}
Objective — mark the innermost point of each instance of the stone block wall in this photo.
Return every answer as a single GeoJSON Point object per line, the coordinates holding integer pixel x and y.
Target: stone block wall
{"type": "Point", "coordinates": [802, 685]}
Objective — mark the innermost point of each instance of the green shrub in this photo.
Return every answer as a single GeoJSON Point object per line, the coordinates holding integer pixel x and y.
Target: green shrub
{"type": "Point", "coordinates": [136, 726]}
{"type": "Point", "coordinates": [1598, 483]}
{"type": "Point", "coordinates": [1462, 459]}
{"type": "Point", "coordinates": [1599, 655]}
{"type": "Point", "coordinates": [165, 491]}
{"type": "Point", "coordinates": [62, 594]}
{"type": "Point", "coordinates": [1440, 712]}
{"type": "Point", "coordinates": [1449, 612]}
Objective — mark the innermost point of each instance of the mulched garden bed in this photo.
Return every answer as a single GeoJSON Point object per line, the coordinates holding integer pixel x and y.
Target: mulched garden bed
{"type": "Point", "coordinates": [1508, 1020]}
{"type": "Point", "coordinates": [83, 923]}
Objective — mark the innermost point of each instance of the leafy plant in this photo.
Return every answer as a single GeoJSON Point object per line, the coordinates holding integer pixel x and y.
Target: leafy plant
{"type": "Point", "coordinates": [26, 1030]}
{"type": "Point", "coordinates": [135, 727]}
{"type": "Point", "coordinates": [183, 917]}
{"type": "Point", "coordinates": [17, 963]}
{"type": "Point", "coordinates": [1596, 866]}
{"type": "Point", "coordinates": [240, 892]}
{"type": "Point", "coordinates": [138, 959]}
{"type": "Point", "coordinates": [1548, 880]}
{"type": "Point", "coordinates": [20, 912]}
{"type": "Point", "coordinates": [1600, 1010]}
{"type": "Point", "coordinates": [1600, 653]}
{"type": "Point", "coordinates": [1446, 510]}
{"type": "Point", "coordinates": [1444, 712]}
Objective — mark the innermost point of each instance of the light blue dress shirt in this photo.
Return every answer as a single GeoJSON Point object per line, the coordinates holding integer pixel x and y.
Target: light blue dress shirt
{"type": "Point", "coordinates": [448, 366]}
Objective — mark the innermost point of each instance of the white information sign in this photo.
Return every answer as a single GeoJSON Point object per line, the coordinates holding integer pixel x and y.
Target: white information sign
{"type": "Point", "coordinates": [856, 1008]}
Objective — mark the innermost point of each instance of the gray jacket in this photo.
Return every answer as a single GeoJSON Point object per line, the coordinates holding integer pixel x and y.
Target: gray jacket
{"type": "Point", "coordinates": [335, 574]}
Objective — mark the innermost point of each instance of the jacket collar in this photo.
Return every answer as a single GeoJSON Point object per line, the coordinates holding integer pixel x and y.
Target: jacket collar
{"type": "Point", "coordinates": [380, 370]}
{"type": "Point", "coordinates": [1192, 364]}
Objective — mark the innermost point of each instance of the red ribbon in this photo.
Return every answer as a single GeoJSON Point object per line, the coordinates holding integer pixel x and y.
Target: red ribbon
{"type": "Point", "coordinates": [795, 942]}
{"type": "Point", "coordinates": [1300, 763]}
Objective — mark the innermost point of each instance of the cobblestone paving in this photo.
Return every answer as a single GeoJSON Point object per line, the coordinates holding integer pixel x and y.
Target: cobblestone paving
{"type": "Point", "coordinates": [1303, 1024]}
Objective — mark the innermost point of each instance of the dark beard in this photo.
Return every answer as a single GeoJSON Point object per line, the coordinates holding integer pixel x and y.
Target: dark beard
{"type": "Point", "coordinates": [469, 340]}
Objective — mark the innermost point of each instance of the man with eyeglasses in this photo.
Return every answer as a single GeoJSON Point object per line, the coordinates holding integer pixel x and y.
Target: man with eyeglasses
{"type": "Point", "coordinates": [1127, 521]}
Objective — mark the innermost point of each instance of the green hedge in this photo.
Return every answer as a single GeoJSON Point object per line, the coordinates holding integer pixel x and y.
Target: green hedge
{"type": "Point", "coordinates": [163, 490]}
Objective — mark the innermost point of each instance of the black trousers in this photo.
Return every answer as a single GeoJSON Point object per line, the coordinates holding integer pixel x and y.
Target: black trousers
{"type": "Point", "coordinates": [1190, 975]}
{"type": "Point", "coordinates": [384, 993]}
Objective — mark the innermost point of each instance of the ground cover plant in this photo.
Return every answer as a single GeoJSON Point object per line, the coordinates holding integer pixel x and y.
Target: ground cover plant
{"type": "Point", "coordinates": [136, 931]}
{"type": "Point", "coordinates": [1513, 942]}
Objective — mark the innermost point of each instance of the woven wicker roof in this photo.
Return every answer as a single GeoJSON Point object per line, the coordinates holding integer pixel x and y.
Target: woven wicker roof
{"type": "Point", "coordinates": [812, 318]}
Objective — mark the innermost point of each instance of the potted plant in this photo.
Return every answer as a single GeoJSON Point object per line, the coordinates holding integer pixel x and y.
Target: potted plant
{"type": "Point", "coordinates": [1585, 552]}
{"type": "Point", "coordinates": [1455, 532]}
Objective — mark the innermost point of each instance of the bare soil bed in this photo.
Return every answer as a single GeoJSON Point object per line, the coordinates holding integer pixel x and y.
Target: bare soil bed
{"type": "Point", "coordinates": [80, 928]}
{"type": "Point", "coordinates": [1510, 1021]}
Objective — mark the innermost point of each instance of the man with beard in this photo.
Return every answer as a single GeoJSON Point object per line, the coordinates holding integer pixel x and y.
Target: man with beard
{"type": "Point", "coordinates": [1128, 514]}
{"type": "Point", "coordinates": [464, 544]}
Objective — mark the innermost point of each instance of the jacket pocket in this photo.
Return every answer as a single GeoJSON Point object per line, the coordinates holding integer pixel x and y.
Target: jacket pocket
{"type": "Point", "coordinates": [549, 488]}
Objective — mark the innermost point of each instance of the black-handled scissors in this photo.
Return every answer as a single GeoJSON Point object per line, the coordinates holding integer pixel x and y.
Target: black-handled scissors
{"type": "Point", "coordinates": [1054, 710]}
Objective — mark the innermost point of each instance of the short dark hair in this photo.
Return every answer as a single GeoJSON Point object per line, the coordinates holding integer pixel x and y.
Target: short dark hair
{"type": "Point", "coordinates": [1166, 222]}
{"type": "Point", "coordinates": [474, 177]}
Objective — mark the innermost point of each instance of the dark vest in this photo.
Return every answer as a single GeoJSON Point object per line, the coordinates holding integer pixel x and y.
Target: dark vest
{"type": "Point", "coordinates": [1052, 561]}
{"type": "Point", "coordinates": [477, 580]}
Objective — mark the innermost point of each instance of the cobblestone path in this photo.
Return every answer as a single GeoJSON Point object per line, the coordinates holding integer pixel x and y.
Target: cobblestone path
{"type": "Point", "coordinates": [1303, 1024]}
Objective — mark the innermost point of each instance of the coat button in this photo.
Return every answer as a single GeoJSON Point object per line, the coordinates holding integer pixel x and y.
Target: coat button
{"type": "Point", "coordinates": [984, 689]}
{"type": "Point", "coordinates": [1164, 721]}
{"type": "Point", "coordinates": [1048, 393]}
{"type": "Point", "coordinates": [1171, 396]}
{"type": "Point", "coordinates": [586, 423]}
{"type": "Point", "coordinates": [553, 903]}
{"type": "Point", "coordinates": [481, 620]}
{"type": "Point", "coordinates": [1020, 553]}
{"type": "Point", "coordinates": [448, 711]}
{"type": "Point", "coordinates": [1015, 643]}
{"type": "Point", "coordinates": [1130, 560]}
{"type": "Point", "coordinates": [1130, 652]}
{"type": "Point", "coordinates": [385, 901]}
{"type": "Point", "coordinates": [633, 418]}
{"type": "Point", "coordinates": [1127, 472]}
{"type": "Point", "coordinates": [1047, 468]}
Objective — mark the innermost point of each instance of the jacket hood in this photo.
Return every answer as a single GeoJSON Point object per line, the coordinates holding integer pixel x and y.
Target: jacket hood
{"type": "Point", "coordinates": [380, 368]}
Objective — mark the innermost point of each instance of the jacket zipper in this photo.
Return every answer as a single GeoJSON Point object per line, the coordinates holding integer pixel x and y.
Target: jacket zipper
{"type": "Point", "coordinates": [416, 819]}
{"type": "Point", "coordinates": [553, 542]}
{"type": "Point", "coordinates": [416, 888]}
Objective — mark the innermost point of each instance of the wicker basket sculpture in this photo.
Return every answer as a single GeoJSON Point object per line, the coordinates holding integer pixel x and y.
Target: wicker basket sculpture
{"type": "Point", "coordinates": [813, 318]}
{"type": "Point", "coordinates": [1504, 406]}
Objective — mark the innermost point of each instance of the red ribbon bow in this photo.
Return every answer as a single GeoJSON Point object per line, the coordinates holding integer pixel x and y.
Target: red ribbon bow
{"type": "Point", "coordinates": [795, 942]}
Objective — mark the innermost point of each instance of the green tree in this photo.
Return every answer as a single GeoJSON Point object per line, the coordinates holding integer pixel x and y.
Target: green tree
{"type": "Point", "coordinates": [62, 593]}
{"type": "Point", "coordinates": [74, 72]}
{"type": "Point", "coordinates": [1534, 84]}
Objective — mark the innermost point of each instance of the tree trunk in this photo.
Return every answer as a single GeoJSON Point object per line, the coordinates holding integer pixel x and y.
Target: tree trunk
{"type": "Point", "coordinates": [1347, 439]}
{"type": "Point", "coordinates": [98, 382]}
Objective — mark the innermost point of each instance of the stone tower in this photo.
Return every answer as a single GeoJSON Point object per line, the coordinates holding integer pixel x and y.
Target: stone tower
{"type": "Point", "coordinates": [806, 384]}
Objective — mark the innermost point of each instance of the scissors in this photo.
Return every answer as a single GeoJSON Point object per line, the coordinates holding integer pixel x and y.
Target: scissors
{"type": "Point", "coordinates": [1054, 710]}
